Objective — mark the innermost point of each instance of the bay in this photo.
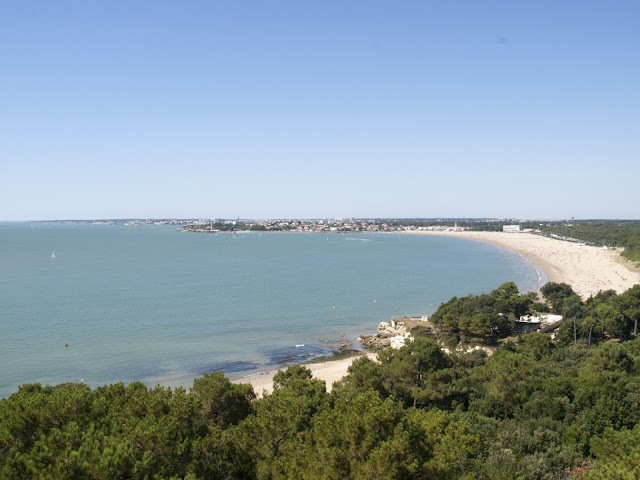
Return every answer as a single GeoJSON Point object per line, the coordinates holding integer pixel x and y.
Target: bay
{"type": "Point", "coordinates": [152, 304]}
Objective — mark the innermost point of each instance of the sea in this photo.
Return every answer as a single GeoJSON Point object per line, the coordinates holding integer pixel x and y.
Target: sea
{"type": "Point", "coordinates": [101, 304]}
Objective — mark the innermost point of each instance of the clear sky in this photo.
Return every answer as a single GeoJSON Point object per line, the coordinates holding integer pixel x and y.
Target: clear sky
{"type": "Point", "coordinates": [305, 109]}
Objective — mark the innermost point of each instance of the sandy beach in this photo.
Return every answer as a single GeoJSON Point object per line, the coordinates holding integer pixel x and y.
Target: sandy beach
{"type": "Point", "coordinates": [587, 269]}
{"type": "Point", "coordinates": [330, 372]}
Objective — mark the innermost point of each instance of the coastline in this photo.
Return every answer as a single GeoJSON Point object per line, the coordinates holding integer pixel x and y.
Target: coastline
{"type": "Point", "coordinates": [587, 269]}
{"type": "Point", "coordinates": [330, 371]}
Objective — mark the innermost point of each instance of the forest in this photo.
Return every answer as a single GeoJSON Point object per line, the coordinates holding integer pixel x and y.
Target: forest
{"type": "Point", "coordinates": [538, 408]}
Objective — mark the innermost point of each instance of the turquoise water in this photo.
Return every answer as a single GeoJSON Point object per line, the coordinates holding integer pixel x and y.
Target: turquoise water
{"type": "Point", "coordinates": [152, 304]}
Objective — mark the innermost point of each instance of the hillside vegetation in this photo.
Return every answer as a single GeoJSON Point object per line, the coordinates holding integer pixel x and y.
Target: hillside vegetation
{"type": "Point", "coordinates": [537, 409]}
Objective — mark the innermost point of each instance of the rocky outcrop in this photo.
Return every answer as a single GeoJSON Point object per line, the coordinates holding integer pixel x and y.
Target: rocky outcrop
{"type": "Point", "coordinates": [469, 349]}
{"type": "Point", "coordinates": [390, 334]}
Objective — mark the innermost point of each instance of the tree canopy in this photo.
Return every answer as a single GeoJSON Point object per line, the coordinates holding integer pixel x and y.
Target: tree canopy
{"type": "Point", "coordinates": [538, 408]}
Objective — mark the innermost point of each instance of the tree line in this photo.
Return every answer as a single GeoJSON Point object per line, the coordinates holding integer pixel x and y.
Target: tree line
{"type": "Point", "coordinates": [493, 316]}
{"type": "Point", "coordinates": [612, 233]}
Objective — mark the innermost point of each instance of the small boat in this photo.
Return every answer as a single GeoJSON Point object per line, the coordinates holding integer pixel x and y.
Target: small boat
{"type": "Point", "coordinates": [53, 255]}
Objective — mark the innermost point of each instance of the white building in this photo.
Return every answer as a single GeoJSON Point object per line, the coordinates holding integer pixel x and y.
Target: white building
{"type": "Point", "coordinates": [532, 323]}
{"type": "Point", "coordinates": [512, 228]}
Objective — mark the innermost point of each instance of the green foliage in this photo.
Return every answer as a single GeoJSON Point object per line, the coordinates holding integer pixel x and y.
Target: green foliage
{"type": "Point", "coordinates": [364, 375]}
{"type": "Point", "coordinates": [412, 374]}
{"type": "Point", "coordinates": [612, 357]}
{"type": "Point", "coordinates": [503, 384]}
{"type": "Point", "coordinates": [556, 294]}
{"type": "Point", "coordinates": [613, 233]}
{"type": "Point", "coordinates": [536, 409]}
{"type": "Point", "coordinates": [223, 402]}
{"type": "Point", "coordinates": [536, 345]}
{"type": "Point", "coordinates": [485, 315]}
{"type": "Point", "coordinates": [628, 305]}
{"type": "Point", "coordinates": [632, 251]}
{"type": "Point", "coordinates": [617, 455]}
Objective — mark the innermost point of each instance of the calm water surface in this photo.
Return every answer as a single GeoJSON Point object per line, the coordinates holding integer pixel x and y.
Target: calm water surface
{"type": "Point", "coordinates": [152, 304]}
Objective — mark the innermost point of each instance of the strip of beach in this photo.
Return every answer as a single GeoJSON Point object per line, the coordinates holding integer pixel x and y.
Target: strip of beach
{"type": "Point", "coordinates": [587, 269]}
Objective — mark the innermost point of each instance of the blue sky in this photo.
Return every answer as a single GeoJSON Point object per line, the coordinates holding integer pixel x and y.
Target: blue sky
{"type": "Point", "coordinates": [304, 109]}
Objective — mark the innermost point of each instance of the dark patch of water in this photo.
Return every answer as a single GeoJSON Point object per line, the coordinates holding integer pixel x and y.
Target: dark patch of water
{"type": "Point", "coordinates": [226, 367]}
{"type": "Point", "coordinates": [295, 354]}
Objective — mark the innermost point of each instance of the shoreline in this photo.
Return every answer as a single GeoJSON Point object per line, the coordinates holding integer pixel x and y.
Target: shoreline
{"type": "Point", "coordinates": [587, 269]}
{"type": "Point", "coordinates": [330, 371]}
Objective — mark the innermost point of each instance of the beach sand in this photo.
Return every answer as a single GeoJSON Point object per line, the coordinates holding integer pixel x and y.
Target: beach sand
{"type": "Point", "coordinates": [330, 371]}
{"type": "Point", "coordinates": [587, 269]}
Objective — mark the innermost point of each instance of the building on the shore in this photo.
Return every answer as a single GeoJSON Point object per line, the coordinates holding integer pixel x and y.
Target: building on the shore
{"type": "Point", "coordinates": [533, 323]}
{"type": "Point", "coordinates": [512, 228]}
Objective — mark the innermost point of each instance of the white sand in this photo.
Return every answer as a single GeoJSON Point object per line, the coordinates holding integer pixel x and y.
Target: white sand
{"type": "Point", "coordinates": [587, 269]}
{"type": "Point", "coordinates": [330, 372]}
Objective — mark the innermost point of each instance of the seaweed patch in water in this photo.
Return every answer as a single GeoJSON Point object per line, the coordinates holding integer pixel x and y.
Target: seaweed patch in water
{"type": "Point", "coordinates": [226, 367]}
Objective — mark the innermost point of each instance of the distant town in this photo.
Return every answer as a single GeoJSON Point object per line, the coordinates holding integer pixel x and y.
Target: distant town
{"type": "Point", "coordinates": [287, 225]}
{"type": "Point", "coordinates": [610, 233]}
{"type": "Point", "coordinates": [620, 234]}
{"type": "Point", "coordinates": [317, 225]}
